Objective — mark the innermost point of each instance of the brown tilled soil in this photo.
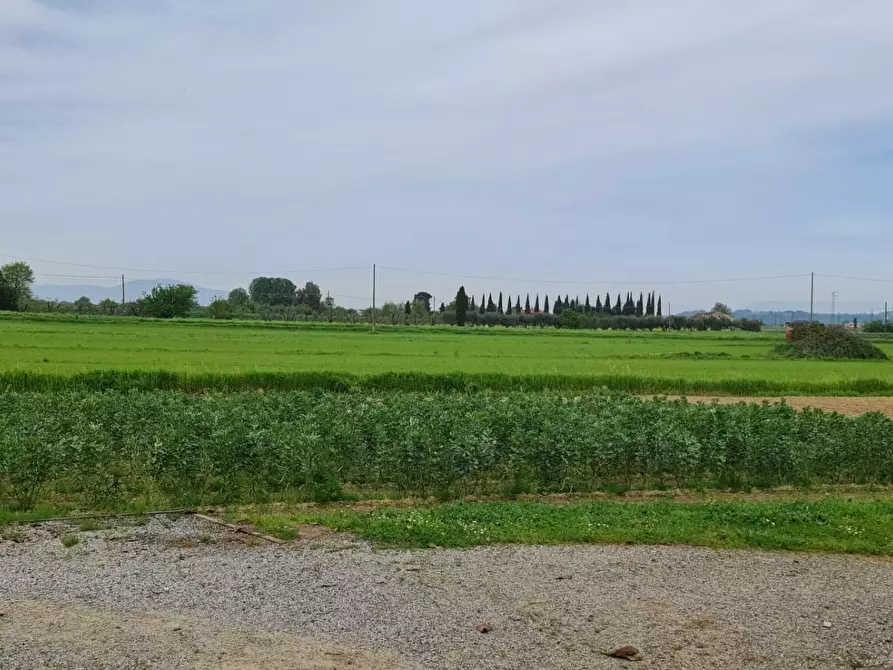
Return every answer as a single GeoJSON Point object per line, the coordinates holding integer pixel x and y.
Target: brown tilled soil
{"type": "Point", "coordinates": [844, 405]}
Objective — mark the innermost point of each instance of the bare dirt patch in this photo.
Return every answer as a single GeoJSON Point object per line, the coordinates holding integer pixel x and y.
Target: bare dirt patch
{"type": "Point", "coordinates": [46, 633]}
{"type": "Point", "coordinates": [850, 406]}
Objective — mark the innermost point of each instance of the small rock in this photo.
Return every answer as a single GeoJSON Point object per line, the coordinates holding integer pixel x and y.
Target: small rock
{"type": "Point", "coordinates": [483, 628]}
{"type": "Point", "coordinates": [826, 624]}
{"type": "Point", "coordinates": [176, 628]}
{"type": "Point", "coordinates": [627, 653]}
{"type": "Point", "coordinates": [563, 577]}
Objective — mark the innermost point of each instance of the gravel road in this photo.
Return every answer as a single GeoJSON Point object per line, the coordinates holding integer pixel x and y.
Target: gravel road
{"type": "Point", "coordinates": [183, 593]}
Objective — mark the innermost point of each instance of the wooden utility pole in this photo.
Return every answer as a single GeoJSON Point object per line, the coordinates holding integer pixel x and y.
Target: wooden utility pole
{"type": "Point", "coordinates": [123, 296]}
{"type": "Point", "coordinates": [811, 295]}
{"type": "Point", "coordinates": [373, 297]}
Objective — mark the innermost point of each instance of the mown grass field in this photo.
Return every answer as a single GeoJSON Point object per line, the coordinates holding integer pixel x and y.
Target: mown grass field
{"type": "Point", "coordinates": [641, 362]}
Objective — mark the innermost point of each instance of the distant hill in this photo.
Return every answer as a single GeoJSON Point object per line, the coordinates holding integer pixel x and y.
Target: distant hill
{"type": "Point", "coordinates": [132, 289]}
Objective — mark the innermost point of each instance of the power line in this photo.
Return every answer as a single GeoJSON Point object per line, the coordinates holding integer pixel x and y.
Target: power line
{"type": "Point", "coordinates": [186, 272]}
{"type": "Point", "coordinates": [572, 281]}
{"type": "Point", "coordinates": [59, 276]}
{"type": "Point", "coordinates": [871, 279]}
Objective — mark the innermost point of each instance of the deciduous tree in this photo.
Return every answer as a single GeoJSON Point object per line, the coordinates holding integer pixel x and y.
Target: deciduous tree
{"type": "Point", "coordinates": [168, 302]}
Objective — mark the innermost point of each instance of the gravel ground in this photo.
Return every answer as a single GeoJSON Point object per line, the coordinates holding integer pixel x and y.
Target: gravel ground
{"type": "Point", "coordinates": [184, 593]}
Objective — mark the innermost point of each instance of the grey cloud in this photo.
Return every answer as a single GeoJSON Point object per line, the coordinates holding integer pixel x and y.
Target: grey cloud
{"type": "Point", "coordinates": [332, 127]}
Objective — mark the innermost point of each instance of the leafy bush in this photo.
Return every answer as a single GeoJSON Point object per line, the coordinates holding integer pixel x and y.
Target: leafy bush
{"type": "Point", "coordinates": [815, 340]}
{"type": "Point", "coordinates": [878, 327]}
{"type": "Point", "coordinates": [167, 302]}
{"type": "Point", "coordinates": [107, 447]}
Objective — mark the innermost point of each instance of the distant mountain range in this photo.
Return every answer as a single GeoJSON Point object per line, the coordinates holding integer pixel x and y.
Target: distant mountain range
{"type": "Point", "coordinates": [132, 290]}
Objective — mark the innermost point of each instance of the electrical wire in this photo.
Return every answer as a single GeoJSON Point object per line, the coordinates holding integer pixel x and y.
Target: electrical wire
{"type": "Point", "coordinates": [870, 279]}
{"type": "Point", "coordinates": [570, 281]}
{"type": "Point", "coordinates": [186, 272]}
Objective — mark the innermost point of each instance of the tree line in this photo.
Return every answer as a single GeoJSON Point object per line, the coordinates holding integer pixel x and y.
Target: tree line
{"type": "Point", "coordinates": [280, 299]}
{"type": "Point", "coordinates": [646, 313]}
{"type": "Point", "coordinates": [644, 306]}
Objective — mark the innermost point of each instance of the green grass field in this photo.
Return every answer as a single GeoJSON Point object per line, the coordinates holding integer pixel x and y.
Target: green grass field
{"type": "Point", "coordinates": [710, 362]}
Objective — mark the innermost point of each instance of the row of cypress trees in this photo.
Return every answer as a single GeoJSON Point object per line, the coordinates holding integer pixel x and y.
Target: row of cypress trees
{"type": "Point", "coordinates": [644, 306]}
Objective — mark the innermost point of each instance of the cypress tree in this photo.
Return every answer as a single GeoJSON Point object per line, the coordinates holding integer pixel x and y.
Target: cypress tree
{"type": "Point", "coordinates": [442, 308]}
{"type": "Point", "coordinates": [461, 306]}
{"type": "Point", "coordinates": [578, 305]}
{"type": "Point", "coordinates": [483, 306]}
{"type": "Point", "coordinates": [407, 308]}
{"type": "Point", "coordinates": [546, 306]}
{"type": "Point", "coordinates": [598, 305]}
{"type": "Point", "coordinates": [499, 309]}
{"type": "Point", "coordinates": [536, 305]}
{"type": "Point", "coordinates": [618, 308]}
{"type": "Point", "coordinates": [648, 305]}
{"type": "Point", "coordinates": [491, 306]}
{"type": "Point", "coordinates": [658, 306]}
{"type": "Point", "coordinates": [588, 306]}
{"type": "Point", "coordinates": [527, 305]}
{"type": "Point", "coordinates": [557, 307]}
{"type": "Point", "coordinates": [518, 305]}
{"type": "Point", "coordinates": [629, 309]}
{"type": "Point", "coordinates": [508, 306]}
{"type": "Point", "coordinates": [567, 303]}
{"type": "Point", "coordinates": [472, 305]}
{"type": "Point", "coordinates": [606, 307]}
{"type": "Point", "coordinates": [640, 306]}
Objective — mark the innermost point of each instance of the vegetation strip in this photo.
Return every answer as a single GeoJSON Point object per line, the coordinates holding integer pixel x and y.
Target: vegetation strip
{"type": "Point", "coordinates": [110, 449]}
{"type": "Point", "coordinates": [461, 382]}
{"type": "Point", "coordinates": [832, 525]}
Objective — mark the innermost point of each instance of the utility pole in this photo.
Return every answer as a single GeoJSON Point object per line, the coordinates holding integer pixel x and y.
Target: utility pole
{"type": "Point", "coordinates": [885, 316]}
{"type": "Point", "coordinates": [834, 295]}
{"type": "Point", "coordinates": [123, 296]}
{"type": "Point", "coordinates": [373, 297]}
{"type": "Point", "coordinates": [811, 296]}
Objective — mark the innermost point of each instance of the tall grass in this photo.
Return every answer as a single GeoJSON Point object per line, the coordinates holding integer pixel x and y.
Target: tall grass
{"type": "Point", "coordinates": [112, 448]}
{"type": "Point", "coordinates": [464, 382]}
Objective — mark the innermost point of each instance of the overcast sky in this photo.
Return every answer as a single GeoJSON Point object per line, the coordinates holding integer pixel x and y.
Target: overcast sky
{"type": "Point", "coordinates": [568, 141]}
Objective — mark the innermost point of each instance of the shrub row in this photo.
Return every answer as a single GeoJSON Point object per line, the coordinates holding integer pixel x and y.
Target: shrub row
{"type": "Point", "coordinates": [113, 448]}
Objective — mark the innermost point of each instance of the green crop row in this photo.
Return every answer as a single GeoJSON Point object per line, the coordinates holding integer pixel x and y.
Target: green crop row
{"type": "Point", "coordinates": [465, 382]}
{"type": "Point", "coordinates": [110, 448]}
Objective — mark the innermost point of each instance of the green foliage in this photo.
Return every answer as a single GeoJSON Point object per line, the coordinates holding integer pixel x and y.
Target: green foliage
{"type": "Point", "coordinates": [272, 291]}
{"type": "Point", "coordinates": [108, 307]}
{"type": "Point", "coordinates": [461, 306]}
{"type": "Point", "coordinates": [722, 308]}
{"type": "Point", "coordinates": [220, 309]}
{"type": "Point", "coordinates": [68, 541]}
{"type": "Point", "coordinates": [198, 449]}
{"type": "Point", "coordinates": [310, 295]}
{"type": "Point", "coordinates": [846, 526]}
{"type": "Point", "coordinates": [879, 327]}
{"type": "Point", "coordinates": [239, 299]}
{"type": "Point", "coordinates": [168, 302]}
{"type": "Point", "coordinates": [9, 298]}
{"type": "Point", "coordinates": [83, 305]}
{"type": "Point", "coordinates": [815, 340]}
{"type": "Point", "coordinates": [570, 319]}
{"type": "Point", "coordinates": [19, 277]}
